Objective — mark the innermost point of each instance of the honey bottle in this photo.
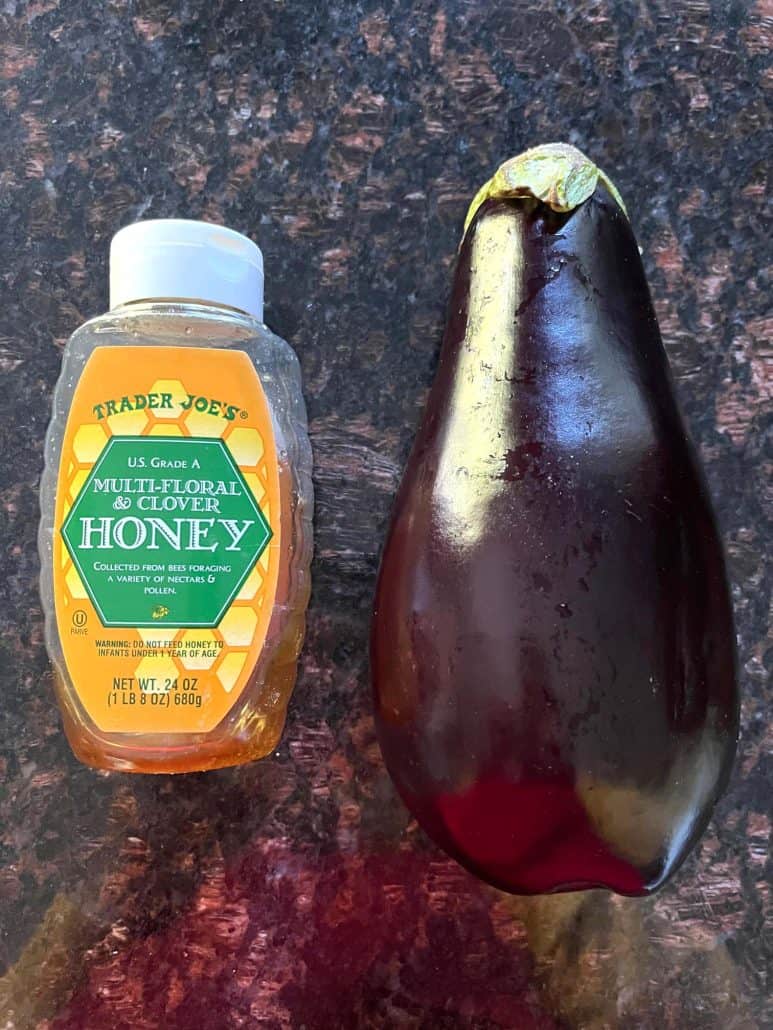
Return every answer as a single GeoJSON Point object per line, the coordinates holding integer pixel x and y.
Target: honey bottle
{"type": "Point", "coordinates": [176, 504]}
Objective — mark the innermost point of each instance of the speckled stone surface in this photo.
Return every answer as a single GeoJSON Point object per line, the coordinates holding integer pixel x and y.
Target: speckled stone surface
{"type": "Point", "coordinates": [347, 139]}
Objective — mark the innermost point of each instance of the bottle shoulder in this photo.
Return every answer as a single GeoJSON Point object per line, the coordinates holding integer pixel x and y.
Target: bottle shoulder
{"type": "Point", "coordinates": [165, 321]}
{"type": "Point", "coordinates": [183, 325]}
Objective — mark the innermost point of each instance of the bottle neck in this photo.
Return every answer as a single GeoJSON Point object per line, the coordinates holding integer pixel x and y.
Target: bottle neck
{"type": "Point", "coordinates": [176, 303]}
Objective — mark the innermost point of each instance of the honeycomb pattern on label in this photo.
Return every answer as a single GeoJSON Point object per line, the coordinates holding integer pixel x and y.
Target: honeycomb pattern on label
{"type": "Point", "coordinates": [221, 651]}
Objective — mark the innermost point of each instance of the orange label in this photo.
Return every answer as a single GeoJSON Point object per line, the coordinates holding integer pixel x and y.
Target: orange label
{"type": "Point", "coordinates": [166, 536]}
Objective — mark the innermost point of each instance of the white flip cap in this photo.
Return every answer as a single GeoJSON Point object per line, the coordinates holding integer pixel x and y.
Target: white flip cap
{"type": "Point", "coordinates": [178, 259]}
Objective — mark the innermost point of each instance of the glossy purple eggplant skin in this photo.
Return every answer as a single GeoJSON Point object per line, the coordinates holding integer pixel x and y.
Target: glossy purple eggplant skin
{"type": "Point", "coordinates": [552, 653]}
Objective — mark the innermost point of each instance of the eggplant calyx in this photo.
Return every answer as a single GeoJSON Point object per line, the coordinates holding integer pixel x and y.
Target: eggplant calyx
{"type": "Point", "coordinates": [557, 174]}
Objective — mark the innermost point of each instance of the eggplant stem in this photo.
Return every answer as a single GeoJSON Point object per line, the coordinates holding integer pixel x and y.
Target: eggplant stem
{"type": "Point", "coordinates": [557, 174]}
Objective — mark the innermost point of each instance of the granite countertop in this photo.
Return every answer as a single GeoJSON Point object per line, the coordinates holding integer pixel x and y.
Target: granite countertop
{"type": "Point", "coordinates": [347, 139]}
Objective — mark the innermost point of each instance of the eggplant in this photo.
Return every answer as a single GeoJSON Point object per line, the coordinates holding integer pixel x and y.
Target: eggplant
{"type": "Point", "coordinates": [552, 650]}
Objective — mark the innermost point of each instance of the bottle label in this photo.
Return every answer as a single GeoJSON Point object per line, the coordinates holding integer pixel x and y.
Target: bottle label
{"type": "Point", "coordinates": [167, 536]}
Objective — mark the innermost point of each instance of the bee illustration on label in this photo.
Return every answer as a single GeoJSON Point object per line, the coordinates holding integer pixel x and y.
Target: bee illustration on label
{"type": "Point", "coordinates": [160, 612]}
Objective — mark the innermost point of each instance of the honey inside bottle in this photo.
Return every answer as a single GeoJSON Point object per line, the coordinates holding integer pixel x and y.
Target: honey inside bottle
{"type": "Point", "coordinates": [176, 511]}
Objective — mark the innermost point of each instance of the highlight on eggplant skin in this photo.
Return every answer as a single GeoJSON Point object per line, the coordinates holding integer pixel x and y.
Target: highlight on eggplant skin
{"type": "Point", "coordinates": [552, 650]}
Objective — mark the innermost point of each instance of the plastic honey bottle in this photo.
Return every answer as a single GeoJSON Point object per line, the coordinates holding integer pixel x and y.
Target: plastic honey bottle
{"type": "Point", "coordinates": [176, 501]}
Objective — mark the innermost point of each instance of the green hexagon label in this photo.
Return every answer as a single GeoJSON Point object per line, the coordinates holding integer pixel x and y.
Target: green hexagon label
{"type": "Point", "coordinates": [164, 532]}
